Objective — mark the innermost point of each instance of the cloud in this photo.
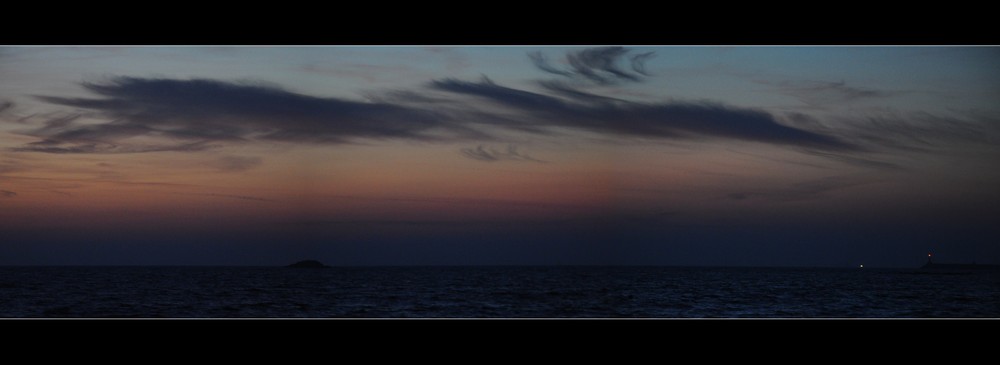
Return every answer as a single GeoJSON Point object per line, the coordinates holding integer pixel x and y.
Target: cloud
{"type": "Point", "coordinates": [240, 197]}
{"type": "Point", "coordinates": [856, 161]}
{"type": "Point", "coordinates": [9, 165]}
{"type": "Point", "coordinates": [8, 193]}
{"type": "Point", "coordinates": [599, 65]}
{"type": "Point", "coordinates": [466, 201]}
{"type": "Point", "coordinates": [842, 90]}
{"type": "Point", "coordinates": [540, 61]}
{"type": "Point", "coordinates": [826, 92]}
{"type": "Point", "coordinates": [199, 111]}
{"type": "Point", "coordinates": [5, 105]}
{"type": "Point", "coordinates": [577, 94]}
{"type": "Point", "coordinates": [482, 153]}
{"type": "Point", "coordinates": [657, 217]}
{"type": "Point", "coordinates": [639, 62]}
{"type": "Point", "coordinates": [236, 163]}
{"type": "Point", "coordinates": [59, 182]}
{"type": "Point", "coordinates": [852, 93]}
{"type": "Point", "coordinates": [455, 61]}
{"type": "Point", "coordinates": [922, 132]}
{"type": "Point", "coordinates": [425, 223]}
{"type": "Point", "coordinates": [368, 73]}
{"type": "Point", "coordinates": [738, 196]}
{"type": "Point", "coordinates": [890, 132]}
{"type": "Point", "coordinates": [67, 147]}
{"type": "Point", "coordinates": [227, 196]}
{"type": "Point", "coordinates": [826, 184]}
{"type": "Point", "coordinates": [663, 120]}
{"type": "Point", "coordinates": [154, 115]}
{"type": "Point", "coordinates": [407, 97]}
{"type": "Point", "coordinates": [806, 190]}
{"type": "Point", "coordinates": [780, 160]}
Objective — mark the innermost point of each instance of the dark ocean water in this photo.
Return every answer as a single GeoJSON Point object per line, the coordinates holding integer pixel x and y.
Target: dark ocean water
{"type": "Point", "coordinates": [491, 292]}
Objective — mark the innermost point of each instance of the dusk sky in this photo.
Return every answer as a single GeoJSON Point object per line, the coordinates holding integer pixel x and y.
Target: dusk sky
{"type": "Point", "coordinates": [744, 156]}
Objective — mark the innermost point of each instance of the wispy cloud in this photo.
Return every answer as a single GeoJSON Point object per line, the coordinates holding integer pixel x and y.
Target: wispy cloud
{"type": "Point", "coordinates": [466, 201]}
{"type": "Point", "coordinates": [919, 131]}
{"type": "Point", "coordinates": [856, 161]}
{"type": "Point", "coordinates": [200, 111]}
{"type": "Point", "coordinates": [192, 115]}
{"type": "Point", "coordinates": [71, 146]}
{"type": "Point", "coordinates": [226, 196]}
{"type": "Point", "coordinates": [8, 193]}
{"type": "Point", "coordinates": [779, 160]}
{"type": "Point", "coordinates": [455, 61]}
{"type": "Point", "coordinates": [639, 62]}
{"type": "Point", "coordinates": [236, 163]}
{"type": "Point", "coordinates": [58, 183]}
{"type": "Point", "coordinates": [821, 93]}
{"type": "Point", "coordinates": [566, 90]}
{"type": "Point", "coordinates": [806, 190]}
{"type": "Point", "coordinates": [368, 73]}
{"type": "Point", "coordinates": [10, 165]}
{"type": "Point", "coordinates": [488, 154]}
{"type": "Point", "coordinates": [599, 65]}
{"type": "Point", "coordinates": [423, 223]}
{"type": "Point", "coordinates": [230, 196]}
{"type": "Point", "coordinates": [665, 120]}
{"type": "Point", "coordinates": [155, 115]}
{"type": "Point", "coordinates": [657, 217]}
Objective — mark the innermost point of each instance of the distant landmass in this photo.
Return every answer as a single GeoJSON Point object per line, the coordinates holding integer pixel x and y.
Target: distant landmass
{"type": "Point", "coordinates": [308, 264]}
{"type": "Point", "coordinates": [933, 267]}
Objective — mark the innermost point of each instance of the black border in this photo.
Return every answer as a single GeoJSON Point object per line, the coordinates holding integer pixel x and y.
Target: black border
{"type": "Point", "coordinates": [515, 24]}
{"type": "Point", "coordinates": [668, 338]}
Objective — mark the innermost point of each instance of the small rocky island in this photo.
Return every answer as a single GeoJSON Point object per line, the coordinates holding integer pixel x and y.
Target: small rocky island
{"type": "Point", "coordinates": [308, 264]}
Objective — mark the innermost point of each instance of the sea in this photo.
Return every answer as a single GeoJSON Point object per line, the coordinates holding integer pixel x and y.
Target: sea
{"type": "Point", "coordinates": [493, 292]}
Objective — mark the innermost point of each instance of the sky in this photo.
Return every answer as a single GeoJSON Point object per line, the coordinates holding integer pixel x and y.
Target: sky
{"type": "Point", "coordinates": [499, 155]}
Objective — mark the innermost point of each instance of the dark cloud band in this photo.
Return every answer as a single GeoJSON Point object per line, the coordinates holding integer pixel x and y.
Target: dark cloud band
{"type": "Point", "coordinates": [211, 110]}
{"type": "Point", "coordinates": [666, 120]}
{"type": "Point", "coordinates": [483, 153]}
{"type": "Point", "coordinates": [599, 65]}
{"type": "Point", "coordinates": [196, 114]}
